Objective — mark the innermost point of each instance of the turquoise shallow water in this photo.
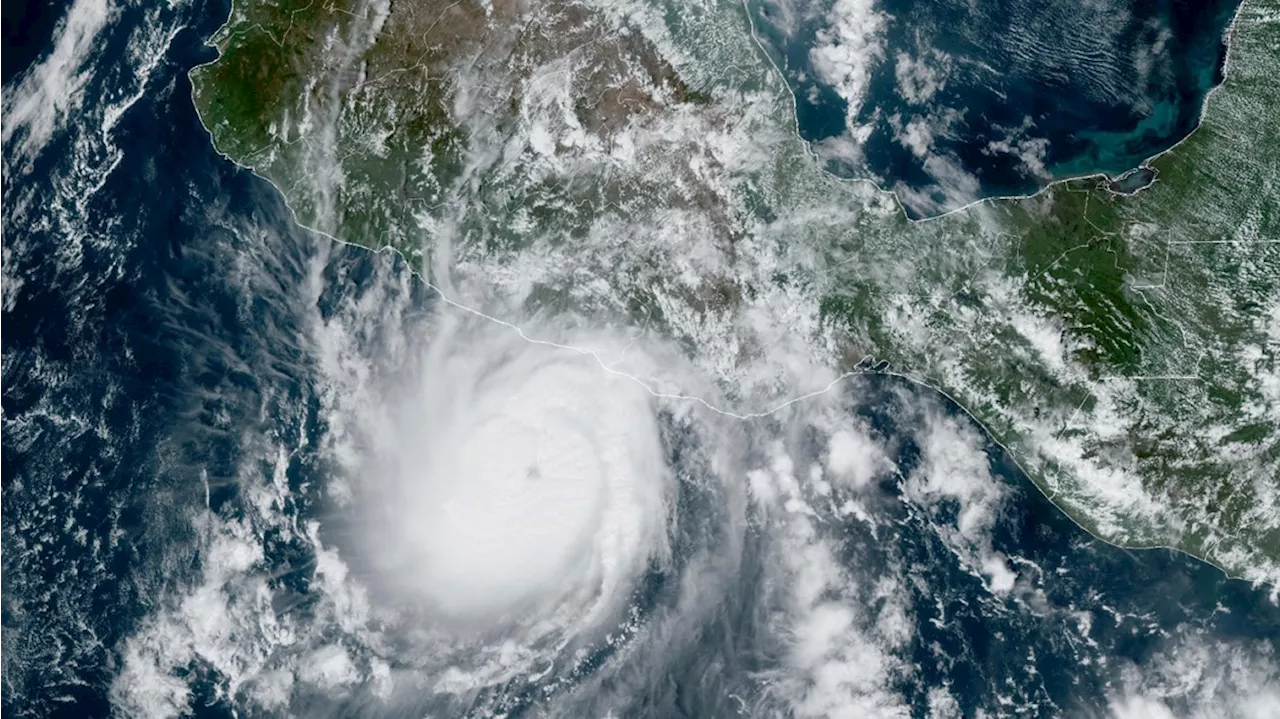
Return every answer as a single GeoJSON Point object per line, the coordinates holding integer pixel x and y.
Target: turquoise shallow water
{"type": "Point", "coordinates": [1118, 151]}
{"type": "Point", "coordinates": [962, 101]}
{"type": "Point", "coordinates": [145, 373]}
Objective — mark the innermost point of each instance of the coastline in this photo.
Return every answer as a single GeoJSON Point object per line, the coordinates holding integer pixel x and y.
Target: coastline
{"type": "Point", "coordinates": [1103, 177]}
{"type": "Point", "coordinates": [878, 367]}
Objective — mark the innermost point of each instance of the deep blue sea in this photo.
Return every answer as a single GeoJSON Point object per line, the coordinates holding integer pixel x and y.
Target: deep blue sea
{"type": "Point", "coordinates": [959, 100]}
{"type": "Point", "coordinates": [154, 342]}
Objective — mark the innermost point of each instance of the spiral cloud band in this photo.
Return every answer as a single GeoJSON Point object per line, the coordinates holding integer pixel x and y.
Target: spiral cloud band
{"type": "Point", "coordinates": [523, 481]}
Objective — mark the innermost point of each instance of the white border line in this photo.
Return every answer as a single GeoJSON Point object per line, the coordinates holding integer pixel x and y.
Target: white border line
{"type": "Point", "coordinates": [1228, 36]}
{"type": "Point", "coordinates": [920, 381]}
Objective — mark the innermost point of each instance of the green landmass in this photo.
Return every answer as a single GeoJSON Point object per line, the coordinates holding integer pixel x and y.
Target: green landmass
{"type": "Point", "coordinates": [638, 163]}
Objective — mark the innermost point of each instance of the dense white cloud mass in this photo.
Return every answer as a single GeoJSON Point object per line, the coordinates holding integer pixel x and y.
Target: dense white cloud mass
{"type": "Point", "coordinates": [853, 458]}
{"type": "Point", "coordinates": [847, 50]}
{"type": "Point", "coordinates": [1200, 678]}
{"type": "Point", "coordinates": [515, 475]}
{"type": "Point", "coordinates": [495, 512]}
{"type": "Point", "coordinates": [54, 87]}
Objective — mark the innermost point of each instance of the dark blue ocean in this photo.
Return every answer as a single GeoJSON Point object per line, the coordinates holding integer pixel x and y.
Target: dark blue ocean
{"type": "Point", "coordinates": [153, 342]}
{"type": "Point", "coordinates": [1009, 95]}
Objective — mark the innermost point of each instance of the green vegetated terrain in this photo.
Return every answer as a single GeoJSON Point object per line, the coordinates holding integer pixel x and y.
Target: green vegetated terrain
{"type": "Point", "coordinates": [348, 107]}
{"type": "Point", "coordinates": [297, 81]}
{"type": "Point", "coordinates": [1177, 290]}
{"type": "Point", "coordinates": [1126, 349]}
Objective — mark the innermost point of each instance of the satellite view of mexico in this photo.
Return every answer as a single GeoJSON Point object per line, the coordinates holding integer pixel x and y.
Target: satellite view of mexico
{"type": "Point", "coordinates": [638, 358]}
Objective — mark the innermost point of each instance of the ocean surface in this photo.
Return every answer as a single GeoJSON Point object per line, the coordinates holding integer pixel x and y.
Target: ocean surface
{"type": "Point", "coordinates": [162, 376]}
{"type": "Point", "coordinates": [948, 101]}
{"type": "Point", "coordinates": [27, 30]}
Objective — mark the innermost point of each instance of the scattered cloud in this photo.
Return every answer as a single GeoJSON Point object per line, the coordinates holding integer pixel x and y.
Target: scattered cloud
{"type": "Point", "coordinates": [54, 87]}
{"type": "Point", "coordinates": [847, 50]}
{"type": "Point", "coordinates": [920, 79]}
{"type": "Point", "coordinates": [854, 459]}
{"type": "Point", "coordinates": [1200, 678]}
{"type": "Point", "coordinates": [841, 632]}
{"type": "Point", "coordinates": [1030, 151]}
{"type": "Point", "coordinates": [954, 476]}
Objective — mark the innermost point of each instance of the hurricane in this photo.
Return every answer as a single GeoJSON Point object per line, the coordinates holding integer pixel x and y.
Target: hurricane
{"type": "Point", "coordinates": [514, 476]}
{"type": "Point", "coordinates": [499, 485]}
{"type": "Point", "coordinates": [506, 361]}
{"type": "Point", "coordinates": [513, 504]}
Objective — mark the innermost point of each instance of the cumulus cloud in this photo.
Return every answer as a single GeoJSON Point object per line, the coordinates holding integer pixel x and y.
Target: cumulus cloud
{"type": "Point", "coordinates": [952, 187]}
{"type": "Point", "coordinates": [1141, 708]}
{"type": "Point", "coordinates": [847, 49]}
{"type": "Point", "coordinates": [1029, 151]}
{"type": "Point", "coordinates": [919, 79]}
{"type": "Point", "coordinates": [841, 633]}
{"type": "Point", "coordinates": [840, 666]}
{"type": "Point", "coordinates": [220, 622]}
{"type": "Point", "coordinates": [854, 459]}
{"type": "Point", "coordinates": [915, 135]}
{"type": "Point", "coordinates": [954, 474]}
{"type": "Point", "coordinates": [54, 87]}
{"type": "Point", "coordinates": [1198, 678]}
{"type": "Point", "coordinates": [953, 466]}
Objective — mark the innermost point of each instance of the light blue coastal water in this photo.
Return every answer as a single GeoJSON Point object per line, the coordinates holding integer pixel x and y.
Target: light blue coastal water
{"type": "Point", "coordinates": [947, 102]}
{"type": "Point", "coordinates": [166, 453]}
